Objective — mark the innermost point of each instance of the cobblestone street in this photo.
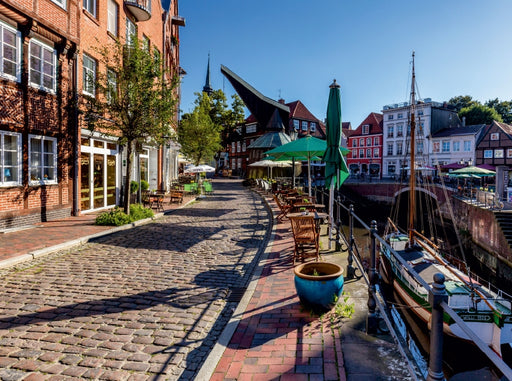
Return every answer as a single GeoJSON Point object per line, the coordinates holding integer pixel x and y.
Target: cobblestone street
{"type": "Point", "coordinates": [144, 303]}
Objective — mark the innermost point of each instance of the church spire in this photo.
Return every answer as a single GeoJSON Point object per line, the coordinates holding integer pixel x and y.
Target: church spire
{"type": "Point", "coordinates": [207, 86]}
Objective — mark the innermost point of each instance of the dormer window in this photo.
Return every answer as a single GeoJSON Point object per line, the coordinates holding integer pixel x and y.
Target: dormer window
{"type": "Point", "coordinates": [366, 129]}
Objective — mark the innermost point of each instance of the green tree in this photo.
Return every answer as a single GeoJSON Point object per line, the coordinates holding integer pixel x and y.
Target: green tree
{"type": "Point", "coordinates": [504, 108]}
{"type": "Point", "coordinates": [136, 99]}
{"type": "Point", "coordinates": [198, 135]}
{"type": "Point", "coordinates": [479, 114]}
{"type": "Point", "coordinates": [462, 101]}
{"type": "Point", "coordinates": [224, 120]}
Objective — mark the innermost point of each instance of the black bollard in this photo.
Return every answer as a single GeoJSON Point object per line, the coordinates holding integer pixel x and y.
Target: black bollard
{"type": "Point", "coordinates": [371, 320]}
{"type": "Point", "coordinates": [436, 295]}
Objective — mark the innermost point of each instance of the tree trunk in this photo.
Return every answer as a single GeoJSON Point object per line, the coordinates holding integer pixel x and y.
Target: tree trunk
{"type": "Point", "coordinates": [127, 194]}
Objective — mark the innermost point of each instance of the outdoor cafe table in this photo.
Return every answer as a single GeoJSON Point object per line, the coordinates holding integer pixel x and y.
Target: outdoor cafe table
{"type": "Point", "coordinates": [307, 205]}
{"type": "Point", "coordinates": [157, 199]}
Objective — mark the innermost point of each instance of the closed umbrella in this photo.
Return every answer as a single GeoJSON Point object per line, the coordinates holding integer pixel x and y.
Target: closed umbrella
{"type": "Point", "coordinates": [336, 170]}
{"type": "Point", "coordinates": [306, 147]}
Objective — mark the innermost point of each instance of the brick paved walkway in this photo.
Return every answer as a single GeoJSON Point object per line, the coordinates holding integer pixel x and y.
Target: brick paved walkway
{"type": "Point", "coordinates": [144, 303]}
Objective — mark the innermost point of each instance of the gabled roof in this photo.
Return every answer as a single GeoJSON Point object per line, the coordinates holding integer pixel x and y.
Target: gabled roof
{"type": "Point", "coordinates": [466, 130]}
{"type": "Point", "coordinates": [374, 119]}
{"type": "Point", "coordinates": [299, 111]}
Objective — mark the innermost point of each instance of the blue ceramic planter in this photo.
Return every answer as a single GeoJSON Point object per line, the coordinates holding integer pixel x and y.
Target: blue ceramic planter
{"type": "Point", "coordinates": [319, 292]}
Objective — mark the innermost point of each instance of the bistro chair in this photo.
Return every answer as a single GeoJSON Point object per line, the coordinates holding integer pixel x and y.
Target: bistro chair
{"type": "Point", "coordinates": [306, 237]}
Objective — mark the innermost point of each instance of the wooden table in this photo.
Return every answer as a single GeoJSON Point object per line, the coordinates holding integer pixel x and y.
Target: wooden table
{"type": "Point", "coordinates": [158, 200]}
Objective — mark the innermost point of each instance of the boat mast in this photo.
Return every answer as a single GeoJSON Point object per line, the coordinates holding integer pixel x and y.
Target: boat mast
{"type": "Point", "coordinates": [412, 178]}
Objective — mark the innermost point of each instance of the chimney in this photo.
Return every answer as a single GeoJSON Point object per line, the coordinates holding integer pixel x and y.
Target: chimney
{"type": "Point", "coordinates": [463, 121]}
{"type": "Point", "coordinates": [281, 100]}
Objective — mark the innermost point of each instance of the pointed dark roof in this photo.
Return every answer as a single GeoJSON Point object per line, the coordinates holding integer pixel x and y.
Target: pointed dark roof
{"type": "Point", "coordinates": [275, 122]}
{"type": "Point", "coordinates": [466, 130]}
{"type": "Point", "coordinates": [207, 86]}
{"type": "Point", "coordinates": [261, 106]}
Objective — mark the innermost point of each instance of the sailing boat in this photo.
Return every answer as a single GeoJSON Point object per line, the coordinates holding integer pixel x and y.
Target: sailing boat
{"type": "Point", "coordinates": [486, 312]}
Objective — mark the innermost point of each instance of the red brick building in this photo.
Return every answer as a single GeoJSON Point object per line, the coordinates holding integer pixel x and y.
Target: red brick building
{"type": "Point", "coordinates": [37, 120]}
{"type": "Point", "coordinates": [51, 165]}
{"type": "Point", "coordinates": [365, 145]}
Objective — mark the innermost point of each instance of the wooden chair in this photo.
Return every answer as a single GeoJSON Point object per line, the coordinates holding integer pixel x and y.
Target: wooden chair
{"type": "Point", "coordinates": [283, 208]}
{"type": "Point", "coordinates": [306, 238]}
{"type": "Point", "coordinates": [144, 197]}
{"type": "Point", "coordinates": [176, 196]}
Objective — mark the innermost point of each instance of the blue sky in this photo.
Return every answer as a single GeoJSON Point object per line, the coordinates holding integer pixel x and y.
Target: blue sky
{"type": "Point", "coordinates": [295, 48]}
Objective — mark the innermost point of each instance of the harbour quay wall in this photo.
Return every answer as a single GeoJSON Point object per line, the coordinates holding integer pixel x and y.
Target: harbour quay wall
{"type": "Point", "coordinates": [479, 228]}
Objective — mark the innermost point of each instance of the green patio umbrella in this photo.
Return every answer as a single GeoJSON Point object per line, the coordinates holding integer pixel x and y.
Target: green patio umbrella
{"type": "Point", "coordinates": [306, 147]}
{"type": "Point", "coordinates": [336, 170]}
{"type": "Point", "coordinates": [472, 170]}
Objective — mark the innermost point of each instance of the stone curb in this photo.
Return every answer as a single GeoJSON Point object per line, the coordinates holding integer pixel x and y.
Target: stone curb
{"type": "Point", "coordinates": [80, 241]}
{"type": "Point", "coordinates": [209, 365]}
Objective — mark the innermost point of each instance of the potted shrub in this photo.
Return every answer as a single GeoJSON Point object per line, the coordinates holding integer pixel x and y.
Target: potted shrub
{"type": "Point", "coordinates": [318, 284]}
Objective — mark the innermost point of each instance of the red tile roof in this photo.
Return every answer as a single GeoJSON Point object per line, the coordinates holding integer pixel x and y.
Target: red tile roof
{"type": "Point", "coordinates": [374, 120]}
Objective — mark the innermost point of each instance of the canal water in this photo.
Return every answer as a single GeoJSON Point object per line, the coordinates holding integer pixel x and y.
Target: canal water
{"type": "Point", "coordinates": [458, 356]}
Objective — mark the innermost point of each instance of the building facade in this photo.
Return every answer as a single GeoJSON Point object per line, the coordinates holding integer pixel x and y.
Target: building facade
{"type": "Point", "coordinates": [430, 117]}
{"type": "Point", "coordinates": [51, 165]}
{"type": "Point", "coordinates": [365, 145]}
{"type": "Point", "coordinates": [39, 41]}
{"type": "Point", "coordinates": [456, 145]}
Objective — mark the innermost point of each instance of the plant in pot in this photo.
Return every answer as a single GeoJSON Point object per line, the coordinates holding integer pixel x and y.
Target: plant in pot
{"type": "Point", "coordinates": [319, 284]}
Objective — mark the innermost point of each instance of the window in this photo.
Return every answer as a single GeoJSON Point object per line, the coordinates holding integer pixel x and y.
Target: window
{"type": "Point", "coordinates": [391, 131]}
{"type": "Point", "coordinates": [10, 58]}
{"type": "Point", "coordinates": [376, 141]}
{"type": "Point", "coordinates": [391, 168]}
{"type": "Point", "coordinates": [368, 153]}
{"type": "Point", "coordinates": [495, 136]}
{"type": "Point", "coordinates": [250, 129]}
{"type": "Point", "coordinates": [399, 148]}
{"type": "Point", "coordinates": [436, 147]}
{"type": "Point", "coordinates": [42, 72]}
{"type": "Point", "coordinates": [312, 127]}
{"type": "Point", "coordinates": [146, 44]}
{"type": "Point", "coordinates": [498, 153]}
{"type": "Point", "coordinates": [420, 129]}
{"type": "Point", "coordinates": [366, 129]}
{"type": "Point", "coordinates": [233, 147]}
{"type": "Point", "coordinates": [244, 146]}
{"type": "Point", "coordinates": [131, 31]}
{"type": "Point", "coordinates": [296, 124]}
{"type": "Point", "coordinates": [368, 141]}
{"type": "Point", "coordinates": [144, 165]}
{"type": "Point", "coordinates": [390, 149]}
{"type": "Point", "coordinates": [420, 112]}
{"type": "Point", "coordinates": [419, 148]}
{"type": "Point", "coordinates": [446, 146]}
{"type": "Point", "coordinates": [400, 115]}
{"type": "Point", "coordinates": [488, 153]}
{"type": "Point", "coordinates": [467, 145]}
{"type": "Point", "coordinates": [399, 130]}
{"type": "Point", "coordinates": [90, 6]}
{"type": "Point", "coordinates": [354, 143]}
{"type": "Point", "coordinates": [361, 142]}
{"type": "Point", "coordinates": [10, 158]}
{"type": "Point", "coordinates": [509, 152]}
{"type": "Point", "coordinates": [42, 159]}
{"type": "Point", "coordinates": [375, 152]}
{"type": "Point", "coordinates": [113, 12]}
{"type": "Point", "coordinates": [62, 3]}
{"type": "Point", "coordinates": [238, 147]}
{"type": "Point", "coordinates": [456, 146]}
{"type": "Point", "coordinates": [304, 126]}
{"type": "Point", "coordinates": [112, 85]}
{"type": "Point", "coordinates": [390, 117]}
{"type": "Point", "coordinates": [89, 75]}
{"type": "Point", "coordinates": [361, 153]}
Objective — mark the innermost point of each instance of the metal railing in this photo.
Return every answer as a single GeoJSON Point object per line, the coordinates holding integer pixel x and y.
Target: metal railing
{"type": "Point", "coordinates": [437, 294]}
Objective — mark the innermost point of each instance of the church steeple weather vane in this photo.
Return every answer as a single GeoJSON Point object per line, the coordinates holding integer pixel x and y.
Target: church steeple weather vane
{"type": "Point", "coordinates": [207, 86]}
